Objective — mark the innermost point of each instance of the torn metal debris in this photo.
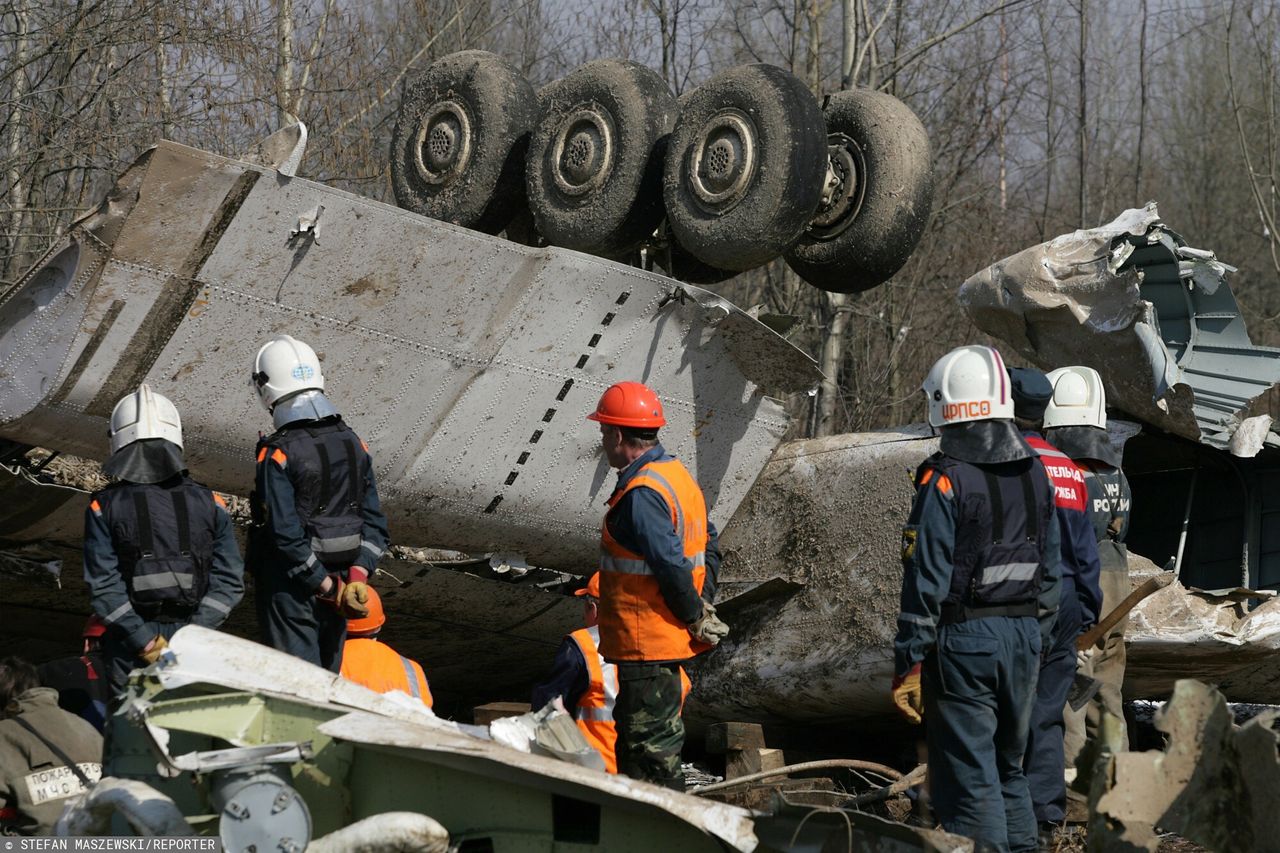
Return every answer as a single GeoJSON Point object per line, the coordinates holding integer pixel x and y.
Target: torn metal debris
{"type": "Point", "coordinates": [1215, 783]}
{"type": "Point", "coordinates": [1131, 293]}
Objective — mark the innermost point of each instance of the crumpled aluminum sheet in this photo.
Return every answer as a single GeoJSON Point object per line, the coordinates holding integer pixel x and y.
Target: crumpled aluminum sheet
{"type": "Point", "coordinates": [1212, 635]}
{"type": "Point", "coordinates": [467, 362]}
{"type": "Point", "coordinates": [1153, 316]}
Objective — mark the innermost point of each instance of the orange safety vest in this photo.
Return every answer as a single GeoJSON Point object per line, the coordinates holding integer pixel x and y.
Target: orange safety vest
{"type": "Point", "coordinates": [380, 668]}
{"type": "Point", "coordinates": [594, 713]}
{"type": "Point", "coordinates": [635, 622]}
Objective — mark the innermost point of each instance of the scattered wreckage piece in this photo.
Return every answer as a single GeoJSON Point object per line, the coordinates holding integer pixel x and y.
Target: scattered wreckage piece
{"type": "Point", "coordinates": [1215, 783]}
{"type": "Point", "coordinates": [1129, 293]}
{"type": "Point", "coordinates": [219, 706]}
{"type": "Point", "coordinates": [238, 737]}
{"type": "Point", "coordinates": [468, 362]}
{"type": "Point", "coordinates": [1230, 637]}
{"type": "Point", "coordinates": [821, 530]}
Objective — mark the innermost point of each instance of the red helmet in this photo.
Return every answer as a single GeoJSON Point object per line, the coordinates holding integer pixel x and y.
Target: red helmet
{"type": "Point", "coordinates": [629, 404]}
{"type": "Point", "coordinates": [94, 627]}
{"type": "Point", "coordinates": [368, 624]}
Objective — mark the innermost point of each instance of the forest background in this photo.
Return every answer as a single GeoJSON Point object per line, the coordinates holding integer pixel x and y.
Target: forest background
{"type": "Point", "coordinates": [1044, 117]}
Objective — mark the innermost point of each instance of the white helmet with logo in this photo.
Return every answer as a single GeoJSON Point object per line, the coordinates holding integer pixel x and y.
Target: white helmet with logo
{"type": "Point", "coordinates": [1078, 398]}
{"type": "Point", "coordinates": [285, 366]}
{"type": "Point", "coordinates": [144, 414]}
{"type": "Point", "coordinates": [968, 384]}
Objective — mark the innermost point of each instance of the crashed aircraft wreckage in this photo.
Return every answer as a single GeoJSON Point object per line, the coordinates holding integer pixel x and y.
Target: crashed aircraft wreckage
{"type": "Point", "coordinates": [468, 362]}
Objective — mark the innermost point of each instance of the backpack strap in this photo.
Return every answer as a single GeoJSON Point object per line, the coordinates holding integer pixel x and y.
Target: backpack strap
{"type": "Point", "coordinates": [326, 473]}
{"type": "Point", "coordinates": [182, 514]}
{"type": "Point", "coordinates": [1029, 496]}
{"type": "Point", "coordinates": [997, 505]}
{"type": "Point", "coordinates": [353, 473]}
{"type": "Point", "coordinates": [146, 536]}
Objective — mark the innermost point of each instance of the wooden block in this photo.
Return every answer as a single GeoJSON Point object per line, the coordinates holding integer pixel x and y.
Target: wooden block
{"type": "Point", "coordinates": [723, 738]}
{"type": "Point", "coordinates": [483, 715]}
{"type": "Point", "coordinates": [742, 762]}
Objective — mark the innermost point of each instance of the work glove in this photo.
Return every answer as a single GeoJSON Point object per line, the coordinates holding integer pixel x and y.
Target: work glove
{"type": "Point", "coordinates": [151, 653]}
{"type": "Point", "coordinates": [708, 628]}
{"type": "Point", "coordinates": [907, 695]}
{"type": "Point", "coordinates": [1084, 659]}
{"type": "Point", "coordinates": [352, 602]}
{"type": "Point", "coordinates": [357, 573]}
{"type": "Point", "coordinates": [334, 596]}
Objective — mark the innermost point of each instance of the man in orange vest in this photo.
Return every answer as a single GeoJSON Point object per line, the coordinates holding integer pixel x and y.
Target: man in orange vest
{"type": "Point", "coordinates": [367, 661]}
{"type": "Point", "coordinates": [585, 683]}
{"type": "Point", "coordinates": [658, 563]}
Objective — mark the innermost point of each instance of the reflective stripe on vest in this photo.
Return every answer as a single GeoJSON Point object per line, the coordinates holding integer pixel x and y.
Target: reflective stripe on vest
{"type": "Point", "coordinates": [410, 677]}
{"type": "Point", "coordinates": [594, 713]}
{"type": "Point", "coordinates": [380, 668]}
{"type": "Point", "coordinates": [635, 621]}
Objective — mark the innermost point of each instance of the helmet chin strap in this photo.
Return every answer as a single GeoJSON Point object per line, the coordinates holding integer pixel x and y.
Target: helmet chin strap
{"type": "Point", "coordinates": [304, 406]}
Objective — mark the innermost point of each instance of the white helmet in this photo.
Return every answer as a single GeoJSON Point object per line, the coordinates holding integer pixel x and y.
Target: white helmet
{"type": "Point", "coordinates": [144, 414]}
{"type": "Point", "coordinates": [285, 366]}
{"type": "Point", "coordinates": [1078, 398]}
{"type": "Point", "coordinates": [968, 384]}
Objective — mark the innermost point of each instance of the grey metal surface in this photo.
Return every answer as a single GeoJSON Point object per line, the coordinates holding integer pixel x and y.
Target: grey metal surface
{"type": "Point", "coordinates": [468, 363]}
{"type": "Point", "coordinates": [1154, 317]}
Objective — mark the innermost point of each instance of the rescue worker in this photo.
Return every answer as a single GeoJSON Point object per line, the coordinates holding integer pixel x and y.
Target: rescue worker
{"type": "Point", "coordinates": [585, 683]}
{"type": "Point", "coordinates": [659, 560]}
{"type": "Point", "coordinates": [369, 661]}
{"type": "Point", "coordinates": [1080, 601]}
{"type": "Point", "coordinates": [1075, 422]}
{"type": "Point", "coordinates": [46, 754]}
{"type": "Point", "coordinates": [980, 555]}
{"type": "Point", "coordinates": [159, 548]}
{"type": "Point", "coordinates": [81, 681]}
{"type": "Point", "coordinates": [318, 528]}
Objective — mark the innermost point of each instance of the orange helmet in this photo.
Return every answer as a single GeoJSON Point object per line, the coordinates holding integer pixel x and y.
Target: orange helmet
{"type": "Point", "coordinates": [629, 404]}
{"type": "Point", "coordinates": [371, 623]}
{"type": "Point", "coordinates": [592, 588]}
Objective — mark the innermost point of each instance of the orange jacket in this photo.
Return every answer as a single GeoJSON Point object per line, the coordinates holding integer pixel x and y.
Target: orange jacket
{"type": "Point", "coordinates": [635, 622]}
{"type": "Point", "coordinates": [595, 707]}
{"type": "Point", "coordinates": [594, 713]}
{"type": "Point", "coordinates": [378, 667]}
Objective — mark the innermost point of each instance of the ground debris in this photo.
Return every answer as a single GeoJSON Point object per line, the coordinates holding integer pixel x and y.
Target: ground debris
{"type": "Point", "coordinates": [1215, 784]}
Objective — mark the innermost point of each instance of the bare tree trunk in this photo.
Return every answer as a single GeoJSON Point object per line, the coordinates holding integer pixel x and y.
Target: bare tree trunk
{"type": "Point", "coordinates": [1142, 105]}
{"type": "Point", "coordinates": [829, 363]}
{"type": "Point", "coordinates": [284, 64]}
{"type": "Point", "coordinates": [17, 188]}
{"type": "Point", "coordinates": [1001, 129]}
{"type": "Point", "coordinates": [848, 41]}
{"type": "Point", "coordinates": [162, 77]}
{"type": "Point", "coordinates": [1083, 117]}
{"type": "Point", "coordinates": [1050, 139]}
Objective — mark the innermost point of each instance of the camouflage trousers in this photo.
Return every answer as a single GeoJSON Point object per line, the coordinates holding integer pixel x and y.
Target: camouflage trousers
{"type": "Point", "coordinates": [650, 731]}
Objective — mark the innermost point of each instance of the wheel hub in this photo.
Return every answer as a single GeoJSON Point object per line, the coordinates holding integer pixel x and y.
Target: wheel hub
{"type": "Point", "coordinates": [443, 146]}
{"type": "Point", "coordinates": [583, 152]}
{"type": "Point", "coordinates": [723, 161]}
{"type": "Point", "coordinates": [842, 196]}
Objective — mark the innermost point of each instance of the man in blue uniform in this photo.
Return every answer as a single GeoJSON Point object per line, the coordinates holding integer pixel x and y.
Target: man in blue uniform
{"type": "Point", "coordinates": [1076, 423]}
{"type": "Point", "coordinates": [979, 593]}
{"type": "Point", "coordinates": [159, 548]}
{"type": "Point", "coordinates": [1081, 599]}
{"type": "Point", "coordinates": [318, 527]}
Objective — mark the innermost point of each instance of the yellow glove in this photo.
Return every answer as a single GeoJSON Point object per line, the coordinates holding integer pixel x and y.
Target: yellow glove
{"type": "Point", "coordinates": [154, 649]}
{"type": "Point", "coordinates": [352, 600]}
{"type": "Point", "coordinates": [907, 695]}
